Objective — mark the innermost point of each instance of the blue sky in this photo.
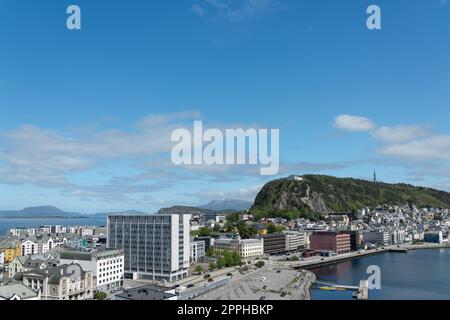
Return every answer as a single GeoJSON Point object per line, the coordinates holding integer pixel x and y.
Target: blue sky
{"type": "Point", "coordinates": [87, 114]}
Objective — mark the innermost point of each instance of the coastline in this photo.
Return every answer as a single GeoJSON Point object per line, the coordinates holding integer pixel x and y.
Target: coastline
{"type": "Point", "coordinates": [315, 262]}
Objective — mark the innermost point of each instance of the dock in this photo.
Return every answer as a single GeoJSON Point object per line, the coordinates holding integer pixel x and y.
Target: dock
{"type": "Point", "coordinates": [363, 290]}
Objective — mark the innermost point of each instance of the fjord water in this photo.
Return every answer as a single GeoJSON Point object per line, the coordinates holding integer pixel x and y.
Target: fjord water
{"type": "Point", "coordinates": [416, 275]}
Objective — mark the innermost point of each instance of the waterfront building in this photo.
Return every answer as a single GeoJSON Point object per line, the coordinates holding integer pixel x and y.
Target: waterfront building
{"type": "Point", "coordinates": [156, 247]}
{"type": "Point", "coordinates": [355, 239]}
{"type": "Point", "coordinates": [2, 259]}
{"type": "Point", "coordinates": [338, 242]}
{"type": "Point", "coordinates": [274, 243]}
{"type": "Point", "coordinates": [377, 237]}
{"type": "Point", "coordinates": [65, 282]}
{"type": "Point", "coordinates": [197, 250]}
{"type": "Point", "coordinates": [106, 266]}
{"type": "Point", "coordinates": [245, 248]}
{"type": "Point", "coordinates": [433, 237]}
{"type": "Point", "coordinates": [295, 240]}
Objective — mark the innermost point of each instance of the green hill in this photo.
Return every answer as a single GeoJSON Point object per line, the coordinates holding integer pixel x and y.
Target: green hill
{"type": "Point", "coordinates": [318, 195]}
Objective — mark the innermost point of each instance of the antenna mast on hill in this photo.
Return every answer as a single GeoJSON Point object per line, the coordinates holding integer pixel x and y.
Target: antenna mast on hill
{"type": "Point", "coordinates": [374, 176]}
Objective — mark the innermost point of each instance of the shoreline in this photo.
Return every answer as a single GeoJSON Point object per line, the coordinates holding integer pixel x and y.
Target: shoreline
{"type": "Point", "coordinates": [324, 261]}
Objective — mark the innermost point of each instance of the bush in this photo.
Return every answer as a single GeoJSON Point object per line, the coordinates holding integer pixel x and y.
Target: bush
{"type": "Point", "coordinates": [100, 295]}
{"type": "Point", "coordinates": [212, 266]}
{"type": "Point", "coordinates": [260, 264]}
{"type": "Point", "coordinates": [199, 269]}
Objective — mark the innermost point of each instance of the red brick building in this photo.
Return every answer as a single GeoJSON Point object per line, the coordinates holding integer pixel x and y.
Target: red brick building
{"type": "Point", "coordinates": [338, 242]}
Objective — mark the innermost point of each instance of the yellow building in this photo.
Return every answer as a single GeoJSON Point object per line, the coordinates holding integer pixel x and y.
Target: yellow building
{"type": "Point", "coordinates": [12, 251]}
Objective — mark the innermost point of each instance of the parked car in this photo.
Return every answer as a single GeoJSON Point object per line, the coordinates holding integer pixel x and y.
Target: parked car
{"type": "Point", "coordinates": [229, 274]}
{"type": "Point", "coordinates": [210, 279]}
{"type": "Point", "coordinates": [190, 285]}
{"type": "Point", "coordinates": [206, 276]}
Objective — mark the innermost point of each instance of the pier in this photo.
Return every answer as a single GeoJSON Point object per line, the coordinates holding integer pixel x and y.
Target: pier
{"type": "Point", "coordinates": [361, 291]}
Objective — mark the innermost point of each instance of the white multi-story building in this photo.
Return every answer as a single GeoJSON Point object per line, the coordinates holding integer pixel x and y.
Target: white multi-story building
{"type": "Point", "coordinates": [295, 240]}
{"type": "Point", "coordinates": [376, 237]}
{"type": "Point", "coordinates": [197, 250]}
{"type": "Point", "coordinates": [398, 236]}
{"type": "Point", "coordinates": [29, 248]}
{"type": "Point", "coordinates": [106, 266]}
{"type": "Point", "coordinates": [87, 232]}
{"type": "Point", "coordinates": [156, 247]}
{"type": "Point", "coordinates": [40, 245]}
{"type": "Point", "coordinates": [245, 248]}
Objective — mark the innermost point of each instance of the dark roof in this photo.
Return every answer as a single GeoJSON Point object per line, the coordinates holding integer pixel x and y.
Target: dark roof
{"type": "Point", "coordinates": [150, 292]}
{"type": "Point", "coordinates": [76, 255]}
{"type": "Point", "coordinates": [55, 274]}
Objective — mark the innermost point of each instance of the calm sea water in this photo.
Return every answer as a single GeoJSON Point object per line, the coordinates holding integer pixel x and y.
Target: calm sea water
{"type": "Point", "coordinates": [416, 275]}
{"type": "Point", "coordinates": [7, 223]}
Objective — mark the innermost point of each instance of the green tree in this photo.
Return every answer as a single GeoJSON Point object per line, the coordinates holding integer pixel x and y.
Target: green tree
{"type": "Point", "coordinates": [199, 269]}
{"type": "Point", "coordinates": [243, 229]}
{"type": "Point", "coordinates": [210, 252]}
{"type": "Point", "coordinates": [233, 217]}
{"type": "Point", "coordinates": [212, 266]}
{"type": "Point", "coordinates": [260, 264]}
{"type": "Point", "coordinates": [204, 232]}
{"type": "Point", "coordinates": [100, 295]}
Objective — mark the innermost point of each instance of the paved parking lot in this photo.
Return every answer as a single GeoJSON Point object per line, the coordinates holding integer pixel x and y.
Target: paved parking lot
{"type": "Point", "coordinates": [266, 283]}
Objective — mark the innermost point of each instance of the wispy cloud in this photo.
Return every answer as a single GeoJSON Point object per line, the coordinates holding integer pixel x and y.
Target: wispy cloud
{"type": "Point", "coordinates": [237, 10]}
{"type": "Point", "coordinates": [353, 123]}
{"type": "Point", "coordinates": [411, 142]}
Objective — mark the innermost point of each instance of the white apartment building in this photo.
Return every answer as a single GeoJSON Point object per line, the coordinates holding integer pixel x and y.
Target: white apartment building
{"type": "Point", "coordinates": [106, 266]}
{"type": "Point", "coordinates": [156, 247]}
{"type": "Point", "coordinates": [246, 248]}
{"type": "Point", "coordinates": [197, 250]}
{"type": "Point", "coordinates": [29, 248]}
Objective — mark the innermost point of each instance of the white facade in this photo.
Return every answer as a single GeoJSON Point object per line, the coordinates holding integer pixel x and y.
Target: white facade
{"type": "Point", "coordinates": [156, 247]}
{"type": "Point", "coordinates": [29, 248]}
{"type": "Point", "coordinates": [295, 240]}
{"type": "Point", "coordinates": [107, 267]}
{"type": "Point", "coordinates": [377, 237]}
{"type": "Point", "coordinates": [197, 250]}
{"type": "Point", "coordinates": [246, 248]}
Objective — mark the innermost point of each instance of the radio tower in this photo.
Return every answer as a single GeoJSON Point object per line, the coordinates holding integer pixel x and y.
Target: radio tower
{"type": "Point", "coordinates": [374, 176]}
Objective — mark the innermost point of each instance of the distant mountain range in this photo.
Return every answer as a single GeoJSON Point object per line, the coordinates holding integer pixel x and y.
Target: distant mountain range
{"type": "Point", "coordinates": [227, 205]}
{"type": "Point", "coordinates": [39, 212]}
{"type": "Point", "coordinates": [53, 212]}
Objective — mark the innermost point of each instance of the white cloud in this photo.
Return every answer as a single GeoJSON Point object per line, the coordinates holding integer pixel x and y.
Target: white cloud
{"type": "Point", "coordinates": [401, 133]}
{"type": "Point", "coordinates": [353, 123]}
{"type": "Point", "coordinates": [198, 10]}
{"type": "Point", "coordinates": [433, 148]}
{"type": "Point", "coordinates": [237, 10]}
{"type": "Point", "coordinates": [30, 154]}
